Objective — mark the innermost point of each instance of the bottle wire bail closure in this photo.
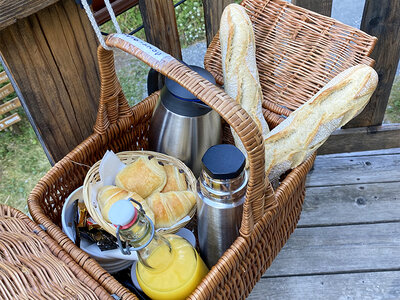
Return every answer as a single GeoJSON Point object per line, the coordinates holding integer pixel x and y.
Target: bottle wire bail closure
{"type": "Point", "coordinates": [127, 250]}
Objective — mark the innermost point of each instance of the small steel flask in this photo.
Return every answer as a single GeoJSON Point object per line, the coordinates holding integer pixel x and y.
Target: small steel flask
{"type": "Point", "coordinates": [221, 188]}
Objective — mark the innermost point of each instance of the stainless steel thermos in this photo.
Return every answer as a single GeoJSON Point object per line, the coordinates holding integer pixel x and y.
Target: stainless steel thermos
{"type": "Point", "coordinates": [221, 188]}
{"type": "Point", "coordinates": [182, 126]}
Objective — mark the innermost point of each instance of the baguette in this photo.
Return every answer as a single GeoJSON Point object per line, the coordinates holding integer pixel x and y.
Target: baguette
{"type": "Point", "coordinates": [307, 128]}
{"type": "Point", "coordinates": [241, 80]}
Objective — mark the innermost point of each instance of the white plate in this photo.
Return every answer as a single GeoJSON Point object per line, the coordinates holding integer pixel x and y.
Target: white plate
{"type": "Point", "coordinates": [113, 269]}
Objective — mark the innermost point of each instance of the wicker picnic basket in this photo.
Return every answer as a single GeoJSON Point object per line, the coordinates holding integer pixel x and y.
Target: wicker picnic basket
{"type": "Point", "coordinates": [297, 53]}
{"type": "Point", "coordinates": [33, 266]}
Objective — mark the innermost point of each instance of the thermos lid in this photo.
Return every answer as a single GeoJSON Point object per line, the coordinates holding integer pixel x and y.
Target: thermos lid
{"type": "Point", "coordinates": [178, 91]}
{"type": "Point", "coordinates": [223, 161]}
{"type": "Point", "coordinates": [122, 213]}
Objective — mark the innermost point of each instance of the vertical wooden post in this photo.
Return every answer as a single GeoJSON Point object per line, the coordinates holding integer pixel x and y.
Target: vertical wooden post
{"type": "Point", "coordinates": [52, 57]}
{"type": "Point", "coordinates": [160, 25]}
{"type": "Point", "coordinates": [323, 7]}
{"type": "Point", "coordinates": [381, 18]}
{"type": "Point", "coordinates": [212, 16]}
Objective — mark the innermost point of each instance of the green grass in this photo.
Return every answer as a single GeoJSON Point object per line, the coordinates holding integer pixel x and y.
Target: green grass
{"type": "Point", "coordinates": [393, 109]}
{"type": "Point", "coordinates": [23, 161]}
{"type": "Point", "coordinates": [189, 19]}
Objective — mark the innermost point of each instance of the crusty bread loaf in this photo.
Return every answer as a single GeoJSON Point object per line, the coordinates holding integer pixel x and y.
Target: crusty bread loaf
{"type": "Point", "coordinates": [241, 80]}
{"type": "Point", "coordinates": [307, 128]}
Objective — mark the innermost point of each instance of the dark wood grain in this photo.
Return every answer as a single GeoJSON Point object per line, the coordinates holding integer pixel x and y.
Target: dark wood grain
{"type": "Point", "coordinates": [119, 6]}
{"type": "Point", "coordinates": [374, 285]}
{"type": "Point", "coordinates": [381, 19]}
{"type": "Point", "coordinates": [11, 11]}
{"type": "Point", "coordinates": [52, 56]}
{"type": "Point", "coordinates": [354, 170]}
{"type": "Point", "coordinates": [351, 204]}
{"type": "Point", "coordinates": [323, 7]}
{"type": "Point", "coordinates": [212, 16]}
{"type": "Point", "coordinates": [364, 153]}
{"type": "Point", "coordinates": [339, 249]}
{"type": "Point", "coordinates": [362, 139]}
{"type": "Point", "coordinates": [160, 25]}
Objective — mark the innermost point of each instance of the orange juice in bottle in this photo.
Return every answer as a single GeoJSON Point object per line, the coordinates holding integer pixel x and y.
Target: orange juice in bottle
{"type": "Point", "coordinates": [168, 267]}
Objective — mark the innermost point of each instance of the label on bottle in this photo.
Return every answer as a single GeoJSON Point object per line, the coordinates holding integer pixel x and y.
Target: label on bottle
{"type": "Point", "coordinates": [147, 48]}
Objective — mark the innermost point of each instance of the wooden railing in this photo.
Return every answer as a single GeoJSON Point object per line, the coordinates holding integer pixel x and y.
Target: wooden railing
{"type": "Point", "coordinates": [366, 132]}
{"type": "Point", "coordinates": [50, 49]}
{"type": "Point", "coordinates": [9, 105]}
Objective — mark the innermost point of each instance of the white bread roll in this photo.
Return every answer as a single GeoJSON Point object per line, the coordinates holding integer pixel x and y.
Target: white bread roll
{"type": "Point", "coordinates": [308, 127]}
{"type": "Point", "coordinates": [241, 80]}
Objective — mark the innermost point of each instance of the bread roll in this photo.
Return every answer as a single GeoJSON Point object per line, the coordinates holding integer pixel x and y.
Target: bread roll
{"type": "Point", "coordinates": [110, 194]}
{"type": "Point", "coordinates": [307, 128]}
{"type": "Point", "coordinates": [176, 180]}
{"type": "Point", "coordinates": [170, 207]}
{"type": "Point", "coordinates": [241, 80]}
{"type": "Point", "coordinates": [144, 176]}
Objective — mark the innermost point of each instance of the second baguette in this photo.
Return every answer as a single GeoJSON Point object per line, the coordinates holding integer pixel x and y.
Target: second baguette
{"type": "Point", "coordinates": [307, 128]}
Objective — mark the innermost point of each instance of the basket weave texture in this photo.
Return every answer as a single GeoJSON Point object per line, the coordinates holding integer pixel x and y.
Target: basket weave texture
{"type": "Point", "coordinates": [128, 157]}
{"type": "Point", "coordinates": [297, 52]}
{"type": "Point", "coordinates": [33, 267]}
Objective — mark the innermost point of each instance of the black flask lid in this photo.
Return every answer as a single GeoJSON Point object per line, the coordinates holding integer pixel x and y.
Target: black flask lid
{"type": "Point", "coordinates": [223, 161]}
{"type": "Point", "coordinates": [180, 92]}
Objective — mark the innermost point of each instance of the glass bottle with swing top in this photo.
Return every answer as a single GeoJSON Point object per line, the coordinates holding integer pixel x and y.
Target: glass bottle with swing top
{"type": "Point", "coordinates": [168, 267]}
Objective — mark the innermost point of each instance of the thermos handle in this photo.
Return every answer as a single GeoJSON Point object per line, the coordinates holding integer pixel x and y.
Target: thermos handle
{"type": "Point", "coordinates": [258, 185]}
{"type": "Point", "coordinates": [152, 82]}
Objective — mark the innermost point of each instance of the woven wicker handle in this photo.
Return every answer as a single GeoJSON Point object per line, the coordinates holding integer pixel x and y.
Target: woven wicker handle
{"type": "Point", "coordinates": [204, 90]}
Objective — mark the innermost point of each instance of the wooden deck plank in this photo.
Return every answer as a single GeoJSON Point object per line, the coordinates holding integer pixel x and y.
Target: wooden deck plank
{"type": "Point", "coordinates": [351, 204]}
{"type": "Point", "coordinates": [362, 138]}
{"type": "Point", "coordinates": [339, 249]}
{"type": "Point", "coordinates": [354, 170]}
{"type": "Point", "coordinates": [375, 285]}
{"type": "Point", "coordinates": [363, 153]}
{"type": "Point", "coordinates": [347, 245]}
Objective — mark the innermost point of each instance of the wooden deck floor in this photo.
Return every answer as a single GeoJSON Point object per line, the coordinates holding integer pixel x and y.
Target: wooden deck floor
{"type": "Point", "coordinates": [347, 244]}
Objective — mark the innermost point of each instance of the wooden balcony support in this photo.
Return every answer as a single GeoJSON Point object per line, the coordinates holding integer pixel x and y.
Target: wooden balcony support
{"type": "Point", "coordinates": [52, 57]}
{"type": "Point", "coordinates": [362, 139]}
{"type": "Point", "coordinates": [381, 18]}
{"type": "Point", "coordinates": [160, 25]}
{"type": "Point", "coordinates": [212, 16]}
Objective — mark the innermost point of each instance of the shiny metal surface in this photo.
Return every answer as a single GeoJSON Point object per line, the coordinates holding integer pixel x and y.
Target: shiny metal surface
{"type": "Point", "coordinates": [219, 214]}
{"type": "Point", "coordinates": [184, 137]}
